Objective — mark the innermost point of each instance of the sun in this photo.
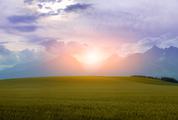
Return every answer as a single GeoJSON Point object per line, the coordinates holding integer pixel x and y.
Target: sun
{"type": "Point", "coordinates": [91, 59]}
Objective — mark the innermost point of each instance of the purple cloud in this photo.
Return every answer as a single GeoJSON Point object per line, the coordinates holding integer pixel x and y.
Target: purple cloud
{"type": "Point", "coordinates": [78, 6]}
{"type": "Point", "coordinates": [26, 28]}
{"type": "Point", "coordinates": [22, 19]}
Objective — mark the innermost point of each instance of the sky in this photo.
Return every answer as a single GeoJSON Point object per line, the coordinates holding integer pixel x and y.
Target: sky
{"type": "Point", "coordinates": [33, 29]}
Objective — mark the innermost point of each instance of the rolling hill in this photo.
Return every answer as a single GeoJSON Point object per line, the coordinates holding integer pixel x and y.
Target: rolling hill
{"type": "Point", "coordinates": [88, 98]}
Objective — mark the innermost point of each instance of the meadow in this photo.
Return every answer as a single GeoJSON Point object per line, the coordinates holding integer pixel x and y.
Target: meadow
{"type": "Point", "coordinates": [88, 98]}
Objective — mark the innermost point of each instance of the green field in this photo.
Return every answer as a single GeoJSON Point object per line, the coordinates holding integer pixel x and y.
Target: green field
{"type": "Point", "coordinates": [88, 98]}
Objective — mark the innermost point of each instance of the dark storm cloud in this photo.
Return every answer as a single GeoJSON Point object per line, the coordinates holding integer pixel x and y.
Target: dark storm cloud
{"type": "Point", "coordinates": [77, 6]}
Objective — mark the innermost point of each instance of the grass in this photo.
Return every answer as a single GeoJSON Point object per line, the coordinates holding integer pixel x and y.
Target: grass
{"type": "Point", "coordinates": [88, 98]}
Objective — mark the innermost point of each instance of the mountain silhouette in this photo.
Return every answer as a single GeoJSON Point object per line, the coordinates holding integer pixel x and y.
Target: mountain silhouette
{"type": "Point", "coordinates": [156, 62]}
{"type": "Point", "coordinates": [62, 65]}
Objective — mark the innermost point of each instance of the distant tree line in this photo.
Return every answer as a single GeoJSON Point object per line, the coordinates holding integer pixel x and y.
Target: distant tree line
{"type": "Point", "coordinates": [167, 79]}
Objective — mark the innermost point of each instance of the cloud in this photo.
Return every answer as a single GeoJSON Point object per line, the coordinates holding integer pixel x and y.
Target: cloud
{"type": "Point", "coordinates": [31, 1]}
{"type": "Point", "coordinates": [121, 21]}
{"type": "Point", "coordinates": [25, 28]}
{"type": "Point", "coordinates": [57, 46]}
{"type": "Point", "coordinates": [7, 58]}
{"type": "Point", "coordinates": [48, 7]}
{"type": "Point", "coordinates": [49, 43]}
{"type": "Point", "coordinates": [16, 18]}
{"type": "Point", "coordinates": [10, 58]}
{"type": "Point", "coordinates": [22, 19]}
{"type": "Point", "coordinates": [3, 42]}
{"type": "Point", "coordinates": [28, 1]}
{"type": "Point", "coordinates": [22, 23]}
{"type": "Point", "coordinates": [4, 51]}
{"type": "Point", "coordinates": [76, 7]}
{"type": "Point", "coordinates": [27, 55]}
{"type": "Point", "coordinates": [42, 40]}
{"type": "Point", "coordinates": [163, 41]}
{"type": "Point", "coordinates": [141, 18]}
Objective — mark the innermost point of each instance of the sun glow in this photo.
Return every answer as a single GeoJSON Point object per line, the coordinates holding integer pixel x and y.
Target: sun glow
{"type": "Point", "coordinates": [91, 59]}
